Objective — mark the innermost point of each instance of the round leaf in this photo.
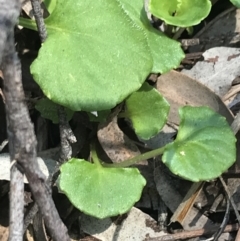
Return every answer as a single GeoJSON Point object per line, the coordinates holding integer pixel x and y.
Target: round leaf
{"type": "Point", "coordinates": [97, 54]}
{"type": "Point", "coordinates": [91, 61]}
{"type": "Point", "coordinates": [98, 191]}
{"type": "Point", "coordinates": [49, 110]}
{"type": "Point", "coordinates": [148, 111]}
{"type": "Point", "coordinates": [182, 13]}
{"type": "Point", "coordinates": [204, 147]}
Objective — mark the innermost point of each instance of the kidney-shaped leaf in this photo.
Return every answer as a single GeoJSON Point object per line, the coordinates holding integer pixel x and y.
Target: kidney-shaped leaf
{"type": "Point", "coordinates": [182, 13]}
{"type": "Point", "coordinates": [100, 191]}
{"type": "Point", "coordinates": [148, 111]}
{"type": "Point", "coordinates": [96, 54]}
{"type": "Point", "coordinates": [204, 147]}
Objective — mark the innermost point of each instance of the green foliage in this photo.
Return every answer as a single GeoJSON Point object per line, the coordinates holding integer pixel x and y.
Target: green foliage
{"type": "Point", "coordinates": [49, 110]}
{"type": "Point", "coordinates": [236, 3]}
{"type": "Point", "coordinates": [98, 191]}
{"type": "Point", "coordinates": [204, 147]}
{"type": "Point", "coordinates": [165, 52]}
{"type": "Point", "coordinates": [148, 111]}
{"type": "Point", "coordinates": [50, 5]}
{"type": "Point", "coordinates": [101, 55]}
{"type": "Point", "coordinates": [182, 13]}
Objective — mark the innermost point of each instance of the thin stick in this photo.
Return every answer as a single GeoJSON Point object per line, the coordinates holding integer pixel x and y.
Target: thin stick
{"type": "Point", "coordinates": [29, 217]}
{"type": "Point", "coordinates": [4, 143]}
{"type": "Point", "coordinates": [39, 20]}
{"type": "Point", "coordinates": [66, 135]}
{"type": "Point", "coordinates": [193, 234]}
{"type": "Point", "coordinates": [22, 141]}
{"type": "Point", "coordinates": [233, 205]}
{"type": "Point", "coordinates": [16, 204]}
{"type": "Point", "coordinates": [34, 209]}
{"type": "Point", "coordinates": [230, 198]}
{"type": "Point", "coordinates": [224, 222]}
{"type": "Point", "coordinates": [9, 13]}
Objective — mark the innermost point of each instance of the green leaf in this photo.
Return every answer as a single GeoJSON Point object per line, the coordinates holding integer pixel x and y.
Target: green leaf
{"type": "Point", "coordinates": [49, 110]}
{"type": "Point", "coordinates": [204, 147]}
{"type": "Point", "coordinates": [148, 111]}
{"type": "Point", "coordinates": [50, 5]}
{"type": "Point", "coordinates": [182, 13]}
{"type": "Point", "coordinates": [97, 54]}
{"type": "Point", "coordinates": [98, 191]}
{"type": "Point", "coordinates": [166, 53]}
{"type": "Point", "coordinates": [236, 3]}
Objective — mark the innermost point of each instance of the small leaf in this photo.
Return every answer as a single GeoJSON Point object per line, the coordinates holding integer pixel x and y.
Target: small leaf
{"type": "Point", "coordinates": [49, 110]}
{"type": "Point", "coordinates": [182, 13]}
{"type": "Point", "coordinates": [236, 3]}
{"type": "Point", "coordinates": [148, 111]}
{"type": "Point", "coordinates": [204, 147]}
{"type": "Point", "coordinates": [98, 191]}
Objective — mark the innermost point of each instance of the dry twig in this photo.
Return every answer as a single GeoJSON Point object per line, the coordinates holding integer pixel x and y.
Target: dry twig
{"type": "Point", "coordinates": [22, 141]}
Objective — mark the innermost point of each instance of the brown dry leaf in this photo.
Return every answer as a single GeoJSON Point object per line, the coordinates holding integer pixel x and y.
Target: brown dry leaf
{"type": "Point", "coordinates": [27, 8]}
{"type": "Point", "coordinates": [4, 231]}
{"type": "Point", "coordinates": [114, 142]}
{"type": "Point", "coordinates": [187, 203]}
{"type": "Point", "coordinates": [232, 92]}
{"type": "Point", "coordinates": [181, 90]}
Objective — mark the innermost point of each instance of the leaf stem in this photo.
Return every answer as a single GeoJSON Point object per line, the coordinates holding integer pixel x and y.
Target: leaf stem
{"type": "Point", "coordinates": [178, 33]}
{"type": "Point", "coordinates": [28, 23]}
{"type": "Point", "coordinates": [94, 156]}
{"type": "Point", "coordinates": [136, 159]}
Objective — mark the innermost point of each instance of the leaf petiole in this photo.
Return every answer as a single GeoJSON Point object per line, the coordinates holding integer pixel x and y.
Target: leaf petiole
{"type": "Point", "coordinates": [28, 23]}
{"type": "Point", "coordinates": [94, 156]}
{"type": "Point", "coordinates": [136, 159]}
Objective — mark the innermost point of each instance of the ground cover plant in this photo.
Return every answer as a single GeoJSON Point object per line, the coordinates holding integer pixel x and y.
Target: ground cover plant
{"type": "Point", "coordinates": [92, 66]}
{"type": "Point", "coordinates": [95, 86]}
